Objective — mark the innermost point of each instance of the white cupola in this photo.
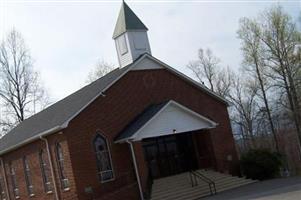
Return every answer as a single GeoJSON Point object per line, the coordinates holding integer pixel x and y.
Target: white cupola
{"type": "Point", "coordinates": [130, 36]}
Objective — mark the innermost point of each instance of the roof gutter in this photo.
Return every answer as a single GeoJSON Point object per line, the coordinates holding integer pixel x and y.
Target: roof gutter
{"type": "Point", "coordinates": [36, 137]}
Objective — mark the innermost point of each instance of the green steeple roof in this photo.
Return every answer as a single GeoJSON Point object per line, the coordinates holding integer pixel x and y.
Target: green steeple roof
{"type": "Point", "coordinates": [127, 20]}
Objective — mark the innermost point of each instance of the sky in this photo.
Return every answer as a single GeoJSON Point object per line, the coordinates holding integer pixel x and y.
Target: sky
{"type": "Point", "coordinates": [66, 38]}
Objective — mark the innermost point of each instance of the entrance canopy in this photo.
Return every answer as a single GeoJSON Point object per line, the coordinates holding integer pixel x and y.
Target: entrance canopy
{"type": "Point", "coordinates": [164, 119]}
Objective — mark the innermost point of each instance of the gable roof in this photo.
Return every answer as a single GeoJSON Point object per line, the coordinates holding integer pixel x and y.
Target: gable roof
{"type": "Point", "coordinates": [171, 116]}
{"type": "Point", "coordinates": [127, 20]}
{"type": "Point", "coordinates": [136, 66]}
{"type": "Point", "coordinates": [57, 116]}
{"type": "Point", "coordinates": [140, 121]}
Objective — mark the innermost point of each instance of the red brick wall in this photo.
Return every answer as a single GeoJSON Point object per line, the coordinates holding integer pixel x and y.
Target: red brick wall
{"type": "Point", "coordinates": [204, 149]}
{"type": "Point", "coordinates": [109, 115]}
{"type": "Point", "coordinates": [123, 101]}
{"type": "Point", "coordinates": [31, 151]}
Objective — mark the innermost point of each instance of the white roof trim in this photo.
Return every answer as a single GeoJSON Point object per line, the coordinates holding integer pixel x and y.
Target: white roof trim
{"type": "Point", "coordinates": [189, 79]}
{"type": "Point", "coordinates": [134, 136]}
{"type": "Point", "coordinates": [199, 85]}
{"type": "Point", "coordinates": [66, 123]}
{"type": "Point", "coordinates": [31, 139]}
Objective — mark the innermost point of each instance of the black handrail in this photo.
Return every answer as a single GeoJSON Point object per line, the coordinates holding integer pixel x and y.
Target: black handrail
{"type": "Point", "coordinates": [196, 175]}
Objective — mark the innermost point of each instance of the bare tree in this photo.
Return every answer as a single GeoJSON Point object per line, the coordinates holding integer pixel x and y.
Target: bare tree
{"type": "Point", "coordinates": [224, 82]}
{"type": "Point", "coordinates": [254, 63]}
{"type": "Point", "coordinates": [207, 71]}
{"type": "Point", "coordinates": [20, 90]}
{"type": "Point", "coordinates": [206, 66]}
{"type": "Point", "coordinates": [101, 69]}
{"type": "Point", "coordinates": [281, 39]}
{"type": "Point", "coordinates": [243, 98]}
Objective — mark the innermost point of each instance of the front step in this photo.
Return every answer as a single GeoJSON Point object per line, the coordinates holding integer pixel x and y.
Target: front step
{"type": "Point", "coordinates": [178, 187]}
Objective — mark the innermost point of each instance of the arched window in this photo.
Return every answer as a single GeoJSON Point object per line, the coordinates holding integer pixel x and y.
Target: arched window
{"type": "Point", "coordinates": [103, 159]}
{"type": "Point", "coordinates": [14, 181]}
{"type": "Point", "coordinates": [45, 171]}
{"type": "Point", "coordinates": [2, 189]}
{"type": "Point", "coordinates": [61, 165]}
{"type": "Point", "coordinates": [28, 176]}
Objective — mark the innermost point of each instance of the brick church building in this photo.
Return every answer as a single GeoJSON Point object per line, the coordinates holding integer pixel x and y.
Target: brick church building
{"type": "Point", "coordinates": [143, 121]}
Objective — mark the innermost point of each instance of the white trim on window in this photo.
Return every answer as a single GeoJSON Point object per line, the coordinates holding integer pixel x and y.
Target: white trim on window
{"type": "Point", "coordinates": [108, 152]}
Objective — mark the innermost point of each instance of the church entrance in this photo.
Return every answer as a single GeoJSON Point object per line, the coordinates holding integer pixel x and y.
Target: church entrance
{"type": "Point", "coordinates": [169, 155]}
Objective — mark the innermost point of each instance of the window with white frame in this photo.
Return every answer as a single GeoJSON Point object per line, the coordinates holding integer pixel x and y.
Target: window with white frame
{"type": "Point", "coordinates": [46, 173]}
{"type": "Point", "coordinates": [28, 178]}
{"type": "Point", "coordinates": [61, 165]}
{"type": "Point", "coordinates": [14, 181]}
{"type": "Point", "coordinates": [103, 159]}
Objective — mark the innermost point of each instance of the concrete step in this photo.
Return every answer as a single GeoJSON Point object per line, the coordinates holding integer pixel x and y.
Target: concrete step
{"type": "Point", "coordinates": [178, 187]}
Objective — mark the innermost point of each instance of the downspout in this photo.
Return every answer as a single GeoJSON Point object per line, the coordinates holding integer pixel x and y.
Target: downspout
{"type": "Point", "coordinates": [136, 169]}
{"type": "Point", "coordinates": [51, 167]}
{"type": "Point", "coordinates": [5, 179]}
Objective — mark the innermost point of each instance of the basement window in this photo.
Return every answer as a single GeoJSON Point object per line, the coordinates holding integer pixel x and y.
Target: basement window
{"type": "Point", "coordinates": [103, 159]}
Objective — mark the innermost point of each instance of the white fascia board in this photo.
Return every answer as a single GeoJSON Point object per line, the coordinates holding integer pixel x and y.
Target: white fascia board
{"type": "Point", "coordinates": [190, 80]}
{"type": "Point", "coordinates": [65, 124]}
{"type": "Point", "coordinates": [129, 69]}
{"type": "Point", "coordinates": [149, 121]}
{"type": "Point", "coordinates": [31, 139]}
{"type": "Point", "coordinates": [172, 102]}
{"type": "Point", "coordinates": [134, 136]}
{"type": "Point", "coordinates": [213, 123]}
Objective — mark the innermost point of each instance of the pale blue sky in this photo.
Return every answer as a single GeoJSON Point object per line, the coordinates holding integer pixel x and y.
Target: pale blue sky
{"type": "Point", "coordinates": [66, 38]}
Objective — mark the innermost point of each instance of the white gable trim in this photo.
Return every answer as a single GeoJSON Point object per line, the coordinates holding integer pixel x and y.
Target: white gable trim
{"type": "Point", "coordinates": [31, 139]}
{"type": "Point", "coordinates": [133, 66]}
{"type": "Point", "coordinates": [146, 64]}
{"type": "Point", "coordinates": [176, 72]}
{"type": "Point", "coordinates": [137, 135]}
{"type": "Point", "coordinates": [140, 134]}
{"type": "Point", "coordinates": [187, 78]}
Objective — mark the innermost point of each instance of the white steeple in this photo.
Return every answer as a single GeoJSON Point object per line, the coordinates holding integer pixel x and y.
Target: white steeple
{"type": "Point", "coordinates": [130, 36]}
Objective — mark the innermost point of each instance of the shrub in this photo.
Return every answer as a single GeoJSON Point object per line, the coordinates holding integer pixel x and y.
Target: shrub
{"type": "Point", "coordinates": [261, 164]}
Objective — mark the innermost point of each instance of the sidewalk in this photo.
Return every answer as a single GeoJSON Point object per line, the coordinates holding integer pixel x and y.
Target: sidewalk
{"type": "Point", "coordinates": [276, 189]}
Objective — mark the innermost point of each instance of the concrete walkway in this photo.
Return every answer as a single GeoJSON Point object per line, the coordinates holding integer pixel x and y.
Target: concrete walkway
{"type": "Point", "coordinates": [276, 189]}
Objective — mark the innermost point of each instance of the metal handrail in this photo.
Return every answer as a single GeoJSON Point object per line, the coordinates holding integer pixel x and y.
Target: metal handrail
{"type": "Point", "coordinates": [195, 176]}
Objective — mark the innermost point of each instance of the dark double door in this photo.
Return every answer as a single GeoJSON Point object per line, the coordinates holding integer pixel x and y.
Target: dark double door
{"type": "Point", "coordinates": [169, 155]}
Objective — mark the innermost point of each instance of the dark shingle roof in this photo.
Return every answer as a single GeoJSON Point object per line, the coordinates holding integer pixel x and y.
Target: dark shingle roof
{"type": "Point", "coordinates": [127, 20]}
{"type": "Point", "coordinates": [59, 113]}
{"type": "Point", "coordinates": [140, 121]}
